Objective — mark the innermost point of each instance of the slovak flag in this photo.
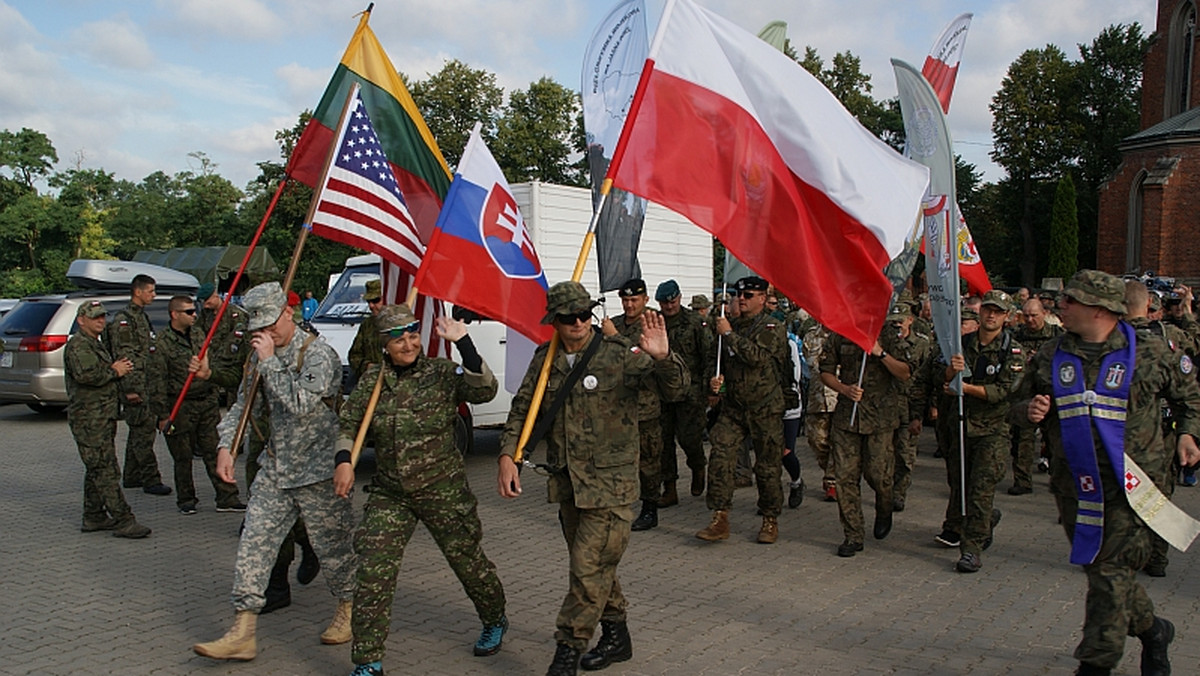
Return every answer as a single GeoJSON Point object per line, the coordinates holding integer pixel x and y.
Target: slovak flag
{"type": "Point", "coordinates": [480, 255]}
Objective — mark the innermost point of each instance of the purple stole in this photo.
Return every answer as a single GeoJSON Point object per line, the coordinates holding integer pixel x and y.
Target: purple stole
{"type": "Point", "coordinates": [1081, 409]}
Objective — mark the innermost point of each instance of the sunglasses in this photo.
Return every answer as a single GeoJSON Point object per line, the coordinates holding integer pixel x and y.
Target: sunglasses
{"type": "Point", "coordinates": [572, 317]}
{"type": "Point", "coordinates": [188, 312]}
{"type": "Point", "coordinates": [749, 294]}
{"type": "Point", "coordinates": [399, 331]}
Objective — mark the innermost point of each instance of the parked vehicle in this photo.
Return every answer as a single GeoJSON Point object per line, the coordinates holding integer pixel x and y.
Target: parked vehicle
{"type": "Point", "coordinates": [35, 331]}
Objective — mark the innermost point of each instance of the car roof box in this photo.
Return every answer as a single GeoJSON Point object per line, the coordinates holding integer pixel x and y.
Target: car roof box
{"type": "Point", "coordinates": [117, 275]}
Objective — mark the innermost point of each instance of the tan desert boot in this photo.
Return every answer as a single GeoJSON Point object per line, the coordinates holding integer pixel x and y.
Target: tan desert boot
{"type": "Point", "coordinates": [237, 644]}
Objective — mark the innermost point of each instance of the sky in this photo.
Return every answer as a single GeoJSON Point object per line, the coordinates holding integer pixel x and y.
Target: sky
{"type": "Point", "coordinates": [133, 87]}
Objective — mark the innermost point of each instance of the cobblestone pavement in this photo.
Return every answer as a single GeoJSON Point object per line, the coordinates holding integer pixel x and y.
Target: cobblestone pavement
{"type": "Point", "coordinates": [77, 603]}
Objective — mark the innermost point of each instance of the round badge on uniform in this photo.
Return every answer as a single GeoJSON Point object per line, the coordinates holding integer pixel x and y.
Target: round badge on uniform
{"type": "Point", "coordinates": [1066, 374]}
{"type": "Point", "coordinates": [1089, 397]}
{"type": "Point", "coordinates": [1185, 365]}
{"type": "Point", "coordinates": [590, 382]}
{"type": "Point", "coordinates": [991, 369]}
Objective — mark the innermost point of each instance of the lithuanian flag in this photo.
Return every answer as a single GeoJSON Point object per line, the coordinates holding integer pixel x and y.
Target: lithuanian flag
{"type": "Point", "coordinates": [421, 171]}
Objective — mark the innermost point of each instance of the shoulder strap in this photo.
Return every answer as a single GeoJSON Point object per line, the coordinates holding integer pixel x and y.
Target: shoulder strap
{"type": "Point", "coordinates": [303, 348]}
{"type": "Point", "coordinates": [547, 417]}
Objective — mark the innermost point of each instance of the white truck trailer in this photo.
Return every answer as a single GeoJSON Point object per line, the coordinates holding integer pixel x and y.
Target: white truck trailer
{"type": "Point", "coordinates": [557, 217]}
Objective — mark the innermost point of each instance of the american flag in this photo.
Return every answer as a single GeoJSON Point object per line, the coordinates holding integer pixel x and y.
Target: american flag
{"type": "Point", "coordinates": [360, 203]}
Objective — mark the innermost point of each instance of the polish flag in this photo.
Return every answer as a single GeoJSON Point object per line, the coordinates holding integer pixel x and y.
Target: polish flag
{"type": "Point", "coordinates": [941, 66]}
{"type": "Point", "coordinates": [749, 146]}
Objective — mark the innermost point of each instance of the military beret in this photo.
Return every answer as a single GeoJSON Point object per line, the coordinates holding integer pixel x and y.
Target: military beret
{"type": "Point", "coordinates": [634, 287]}
{"type": "Point", "coordinates": [205, 291]}
{"type": "Point", "coordinates": [667, 291]}
{"type": "Point", "coordinates": [751, 284]}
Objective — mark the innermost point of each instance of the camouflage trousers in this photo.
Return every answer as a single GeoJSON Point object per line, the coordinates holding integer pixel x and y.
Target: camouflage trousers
{"type": "Point", "coordinates": [269, 517]}
{"type": "Point", "coordinates": [727, 437]}
{"type": "Point", "coordinates": [1117, 604]}
{"type": "Point", "coordinates": [448, 510]}
{"type": "Point", "coordinates": [102, 494]}
{"type": "Point", "coordinates": [817, 426]}
{"type": "Point", "coordinates": [596, 541]}
{"type": "Point", "coordinates": [984, 469]}
{"type": "Point", "coordinates": [195, 436]}
{"type": "Point", "coordinates": [905, 449]}
{"type": "Point", "coordinates": [1025, 455]}
{"type": "Point", "coordinates": [141, 465]}
{"type": "Point", "coordinates": [1159, 546]}
{"type": "Point", "coordinates": [255, 443]}
{"type": "Point", "coordinates": [682, 420]}
{"type": "Point", "coordinates": [650, 443]}
{"type": "Point", "coordinates": [856, 456]}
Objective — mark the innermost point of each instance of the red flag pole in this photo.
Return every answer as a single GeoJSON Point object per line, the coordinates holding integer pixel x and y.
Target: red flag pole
{"type": "Point", "coordinates": [225, 303]}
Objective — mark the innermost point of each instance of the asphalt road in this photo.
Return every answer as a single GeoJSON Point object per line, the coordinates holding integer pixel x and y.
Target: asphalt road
{"type": "Point", "coordinates": [78, 603]}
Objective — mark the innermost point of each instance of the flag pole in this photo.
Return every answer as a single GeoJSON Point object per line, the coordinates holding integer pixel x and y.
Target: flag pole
{"type": "Point", "coordinates": [212, 330]}
{"type": "Point", "coordinates": [539, 391]}
{"type": "Point", "coordinates": [305, 228]}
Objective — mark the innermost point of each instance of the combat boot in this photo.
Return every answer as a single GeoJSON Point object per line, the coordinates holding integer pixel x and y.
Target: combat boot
{"type": "Point", "coordinates": [338, 630]}
{"type": "Point", "coordinates": [1086, 669]}
{"type": "Point", "coordinates": [130, 528]}
{"type": "Point", "coordinates": [565, 663]}
{"type": "Point", "coordinates": [1155, 661]}
{"type": "Point", "coordinates": [769, 532]}
{"type": "Point", "coordinates": [670, 496]}
{"type": "Point", "coordinates": [648, 518]}
{"type": "Point", "coordinates": [718, 529]}
{"type": "Point", "coordinates": [698, 482]}
{"type": "Point", "coordinates": [237, 644]}
{"type": "Point", "coordinates": [614, 646]}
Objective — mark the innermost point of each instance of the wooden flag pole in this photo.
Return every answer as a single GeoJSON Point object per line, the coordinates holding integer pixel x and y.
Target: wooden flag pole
{"type": "Point", "coordinates": [252, 387]}
{"type": "Point", "coordinates": [539, 392]}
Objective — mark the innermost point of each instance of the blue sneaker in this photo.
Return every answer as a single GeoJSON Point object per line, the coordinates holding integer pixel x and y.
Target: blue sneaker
{"type": "Point", "coordinates": [1189, 477]}
{"type": "Point", "coordinates": [368, 669]}
{"type": "Point", "coordinates": [491, 638]}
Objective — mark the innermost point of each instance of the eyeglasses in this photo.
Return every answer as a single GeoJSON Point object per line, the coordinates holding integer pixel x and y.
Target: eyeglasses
{"type": "Point", "coordinates": [399, 331]}
{"type": "Point", "coordinates": [570, 318]}
{"type": "Point", "coordinates": [749, 294]}
{"type": "Point", "coordinates": [192, 311]}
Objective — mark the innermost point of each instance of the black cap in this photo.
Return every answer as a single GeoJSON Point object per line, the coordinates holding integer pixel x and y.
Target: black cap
{"type": "Point", "coordinates": [751, 284]}
{"type": "Point", "coordinates": [634, 287]}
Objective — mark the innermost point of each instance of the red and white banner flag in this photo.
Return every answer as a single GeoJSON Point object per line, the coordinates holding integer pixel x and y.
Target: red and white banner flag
{"type": "Point", "coordinates": [941, 66]}
{"type": "Point", "coordinates": [746, 144]}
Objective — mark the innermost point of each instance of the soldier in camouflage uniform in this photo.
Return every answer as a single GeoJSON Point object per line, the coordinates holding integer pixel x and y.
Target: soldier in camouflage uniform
{"type": "Point", "coordinates": [864, 447]}
{"type": "Point", "coordinates": [683, 420]}
{"type": "Point", "coordinates": [420, 476]}
{"type": "Point", "coordinates": [701, 305]}
{"type": "Point", "coordinates": [591, 452]}
{"type": "Point", "coordinates": [818, 414]}
{"type": "Point", "coordinates": [1139, 301]}
{"type": "Point", "coordinates": [130, 336]}
{"type": "Point", "coordinates": [912, 408]}
{"type": "Point", "coordinates": [754, 354]}
{"type": "Point", "coordinates": [367, 347]}
{"type": "Point", "coordinates": [300, 383]}
{"type": "Point", "coordinates": [91, 376]}
{"type": "Point", "coordinates": [1031, 334]}
{"type": "Point", "coordinates": [650, 433]}
{"type": "Point", "coordinates": [1117, 605]}
{"type": "Point", "coordinates": [194, 432]}
{"type": "Point", "coordinates": [991, 364]}
{"type": "Point", "coordinates": [229, 341]}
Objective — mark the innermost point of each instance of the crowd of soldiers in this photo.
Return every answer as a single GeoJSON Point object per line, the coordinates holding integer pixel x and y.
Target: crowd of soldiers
{"type": "Point", "coordinates": [622, 396]}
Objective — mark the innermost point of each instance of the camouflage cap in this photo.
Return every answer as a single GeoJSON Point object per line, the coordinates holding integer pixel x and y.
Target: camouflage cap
{"type": "Point", "coordinates": [700, 301]}
{"type": "Point", "coordinates": [91, 309]}
{"type": "Point", "coordinates": [374, 291]}
{"type": "Point", "coordinates": [899, 311]}
{"type": "Point", "coordinates": [968, 313]}
{"type": "Point", "coordinates": [668, 290]}
{"type": "Point", "coordinates": [565, 298]}
{"type": "Point", "coordinates": [1098, 289]}
{"type": "Point", "coordinates": [997, 299]}
{"type": "Point", "coordinates": [1155, 301]}
{"type": "Point", "coordinates": [263, 304]}
{"type": "Point", "coordinates": [394, 317]}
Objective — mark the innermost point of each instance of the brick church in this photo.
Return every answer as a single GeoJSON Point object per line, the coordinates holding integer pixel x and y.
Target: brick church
{"type": "Point", "coordinates": [1150, 207]}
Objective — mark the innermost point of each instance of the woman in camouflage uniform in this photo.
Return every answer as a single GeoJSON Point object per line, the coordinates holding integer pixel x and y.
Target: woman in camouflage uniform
{"type": "Point", "coordinates": [420, 476]}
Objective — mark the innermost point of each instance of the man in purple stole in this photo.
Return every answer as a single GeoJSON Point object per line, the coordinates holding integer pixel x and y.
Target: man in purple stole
{"type": "Point", "coordinates": [1095, 392]}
